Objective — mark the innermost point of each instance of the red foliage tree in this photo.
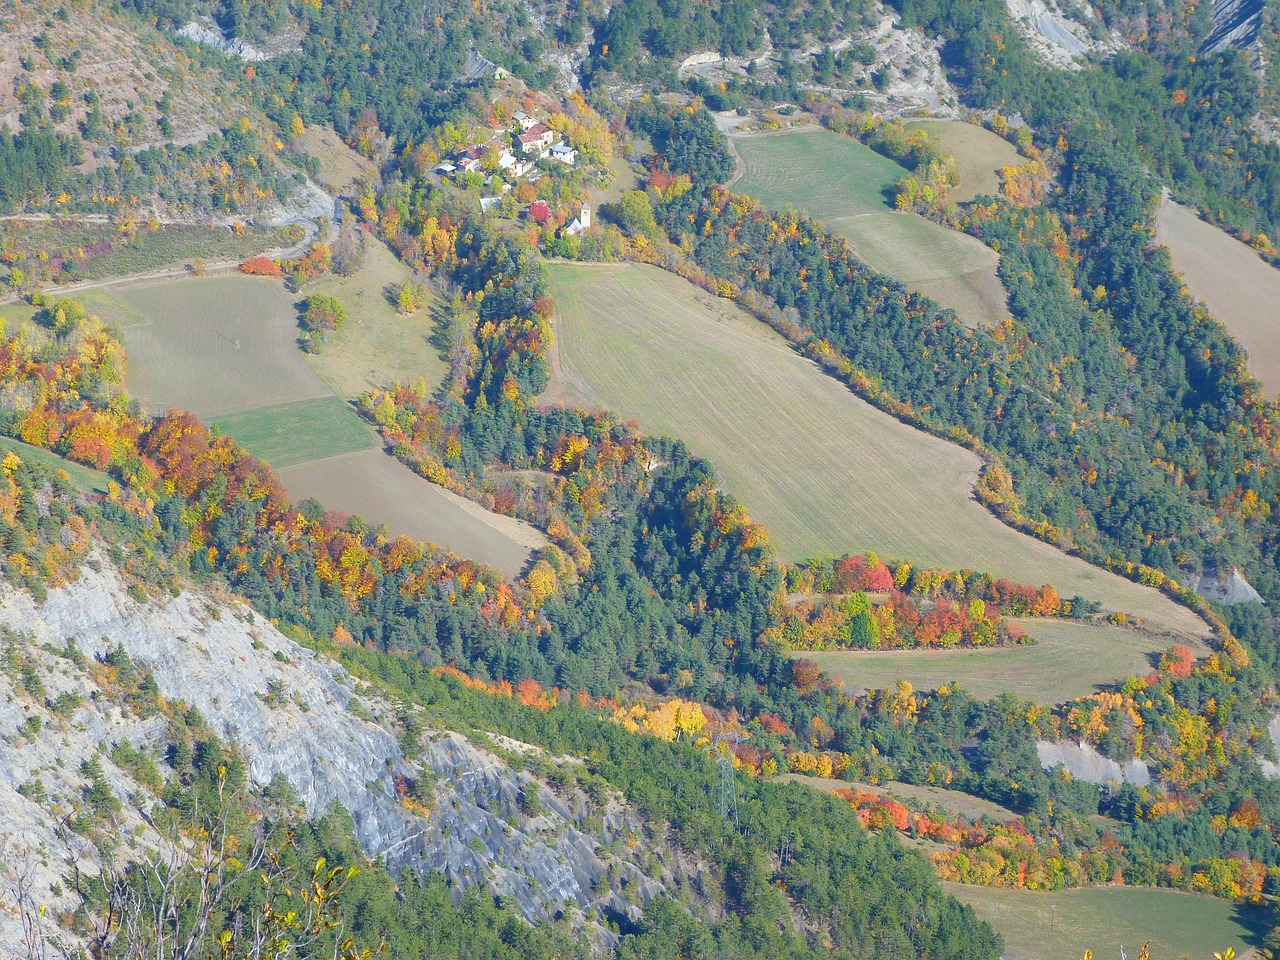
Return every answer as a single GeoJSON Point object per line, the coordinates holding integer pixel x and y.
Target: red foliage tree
{"type": "Point", "coordinates": [260, 267]}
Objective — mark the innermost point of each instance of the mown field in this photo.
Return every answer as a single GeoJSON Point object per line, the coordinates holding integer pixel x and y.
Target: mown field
{"type": "Point", "coordinates": [1239, 287]}
{"type": "Point", "coordinates": [1067, 660]}
{"type": "Point", "coordinates": [849, 187]}
{"type": "Point", "coordinates": [978, 152]}
{"type": "Point", "coordinates": [1054, 926]}
{"type": "Point", "coordinates": [301, 431]}
{"type": "Point", "coordinates": [822, 470]}
{"type": "Point", "coordinates": [225, 348]}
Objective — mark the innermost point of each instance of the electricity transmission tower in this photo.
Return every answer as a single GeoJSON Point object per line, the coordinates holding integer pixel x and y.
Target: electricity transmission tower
{"type": "Point", "coordinates": [727, 790]}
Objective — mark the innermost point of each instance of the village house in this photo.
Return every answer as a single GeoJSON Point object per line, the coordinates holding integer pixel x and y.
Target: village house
{"type": "Point", "coordinates": [510, 163]}
{"type": "Point", "coordinates": [564, 153]}
{"type": "Point", "coordinates": [468, 159]}
{"type": "Point", "coordinates": [536, 140]}
{"type": "Point", "coordinates": [525, 120]}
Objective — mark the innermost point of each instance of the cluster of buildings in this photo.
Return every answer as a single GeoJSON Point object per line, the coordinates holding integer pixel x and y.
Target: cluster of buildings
{"type": "Point", "coordinates": [518, 153]}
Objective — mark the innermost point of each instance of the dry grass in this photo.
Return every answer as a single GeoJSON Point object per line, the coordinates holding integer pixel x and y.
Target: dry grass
{"type": "Point", "coordinates": [823, 471]}
{"type": "Point", "coordinates": [383, 490]}
{"type": "Point", "coordinates": [1053, 926]}
{"type": "Point", "coordinates": [952, 801]}
{"type": "Point", "coordinates": [978, 152]}
{"type": "Point", "coordinates": [127, 65]}
{"type": "Point", "coordinates": [340, 166]}
{"type": "Point", "coordinates": [1067, 660]}
{"type": "Point", "coordinates": [849, 187]}
{"type": "Point", "coordinates": [377, 346]}
{"type": "Point", "coordinates": [1238, 286]}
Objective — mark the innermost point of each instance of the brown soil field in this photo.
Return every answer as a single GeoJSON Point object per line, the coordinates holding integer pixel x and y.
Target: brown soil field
{"type": "Point", "coordinates": [822, 470]}
{"type": "Point", "coordinates": [383, 490]}
{"type": "Point", "coordinates": [1239, 287]}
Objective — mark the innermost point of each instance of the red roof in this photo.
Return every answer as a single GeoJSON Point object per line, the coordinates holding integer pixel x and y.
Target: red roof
{"type": "Point", "coordinates": [539, 211]}
{"type": "Point", "coordinates": [535, 132]}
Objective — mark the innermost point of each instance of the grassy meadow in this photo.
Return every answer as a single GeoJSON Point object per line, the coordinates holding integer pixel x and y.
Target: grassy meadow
{"type": "Point", "coordinates": [978, 152]}
{"type": "Point", "coordinates": [1067, 660]}
{"type": "Point", "coordinates": [85, 479]}
{"type": "Point", "coordinates": [822, 470]}
{"type": "Point", "coordinates": [849, 187]}
{"type": "Point", "coordinates": [226, 349]}
{"type": "Point", "coordinates": [288, 434]}
{"type": "Point", "coordinates": [1239, 287]}
{"type": "Point", "coordinates": [377, 346]}
{"type": "Point", "coordinates": [1054, 926]}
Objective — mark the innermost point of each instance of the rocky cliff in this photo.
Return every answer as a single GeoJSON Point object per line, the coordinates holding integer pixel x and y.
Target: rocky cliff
{"type": "Point", "coordinates": [296, 716]}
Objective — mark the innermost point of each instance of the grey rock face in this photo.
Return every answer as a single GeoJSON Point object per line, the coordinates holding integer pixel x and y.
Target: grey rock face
{"type": "Point", "coordinates": [1235, 24]}
{"type": "Point", "coordinates": [1228, 587]}
{"type": "Point", "coordinates": [206, 33]}
{"type": "Point", "coordinates": [1083, 762]}
{"type": "Point", "coordinates": [290, 712]}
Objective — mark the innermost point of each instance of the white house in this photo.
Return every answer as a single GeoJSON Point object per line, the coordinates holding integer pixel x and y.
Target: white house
{"type": "Point", "coordinates": [525, 120]}
{"type": "Point", "coordinates": [564, 153]}
{"type": "Point", "coordinates": [510, 163]}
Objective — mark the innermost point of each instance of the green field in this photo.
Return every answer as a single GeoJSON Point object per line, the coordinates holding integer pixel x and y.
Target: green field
{"type": "Point", "coordinates": [849, 187]}
{"type": "Point", "coordinates": [1067, 660]}
{"type": "Point", "coordinates": [289, 434]}
{"type": "Point", "coordinates": [1062, 926]}
{"type": "Point", "coordinates": [822, 470]}
{"type": "Point", "coordinates": [1239, 287]}
{"type": "Point", "coordinates": [978, 153]}
{"type": "Point", "coordinates": [84, 479]}
{"type": "Point", "coordinates": [226, 349]}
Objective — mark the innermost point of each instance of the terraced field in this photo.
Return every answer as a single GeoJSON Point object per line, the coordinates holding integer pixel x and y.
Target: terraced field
{"type": "Point", "coordinates": [1051, 926]}
{"type": "Point", "coordinates": [849, 187]}
{"type": "Point", "coordinates": [978, 152]}
{"type": "Point", "coordinates": [822, 470]}
{"type": "Point", "coordinates": [1239, 287]}
{"type": "Point", "coordinates": [225, 349]}
{"type": "Point", "coordinates": [1068, 660]}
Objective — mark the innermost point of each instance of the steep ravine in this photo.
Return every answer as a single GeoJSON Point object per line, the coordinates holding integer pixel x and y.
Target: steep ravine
{"type": "Point", "coordinates": [292, 714]}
